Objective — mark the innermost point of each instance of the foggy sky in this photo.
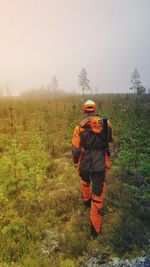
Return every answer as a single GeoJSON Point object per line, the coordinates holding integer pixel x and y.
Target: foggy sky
{"type": "Point", "coordinates": [43, 38]}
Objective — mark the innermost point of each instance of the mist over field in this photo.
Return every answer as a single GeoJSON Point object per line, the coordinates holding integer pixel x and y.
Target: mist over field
{"type": "Point", "coordinates": [43, 39]}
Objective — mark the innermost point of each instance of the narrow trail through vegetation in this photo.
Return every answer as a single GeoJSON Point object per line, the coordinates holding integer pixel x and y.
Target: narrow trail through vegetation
{"type": "Point", "coordinates": [64, 196]}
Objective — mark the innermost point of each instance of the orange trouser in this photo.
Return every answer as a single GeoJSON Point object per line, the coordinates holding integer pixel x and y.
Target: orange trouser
{"type": "Point", "coordinates": [95, 194]}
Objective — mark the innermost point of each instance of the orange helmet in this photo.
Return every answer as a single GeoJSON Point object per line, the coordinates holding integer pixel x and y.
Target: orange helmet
{"type": "Point", "coordinates": [89, 105]}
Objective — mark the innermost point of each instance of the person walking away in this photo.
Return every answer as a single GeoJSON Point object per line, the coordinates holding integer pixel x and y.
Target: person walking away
{"type": "Point", "coordinates": [90, 152]}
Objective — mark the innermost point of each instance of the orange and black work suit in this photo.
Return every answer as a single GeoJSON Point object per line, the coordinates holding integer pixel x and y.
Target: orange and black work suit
{"type": "Point", "coordinates": [89, 150]}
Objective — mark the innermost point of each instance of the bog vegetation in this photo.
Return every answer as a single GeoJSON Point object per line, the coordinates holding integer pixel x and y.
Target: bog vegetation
{"type": "Point", "coordinates": [42, 221]}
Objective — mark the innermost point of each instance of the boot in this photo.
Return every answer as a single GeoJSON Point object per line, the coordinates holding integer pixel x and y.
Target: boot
{"type": "Point", "coordinates": [93, 233]}
{"type": "Point", "coordinates": [87, 203]}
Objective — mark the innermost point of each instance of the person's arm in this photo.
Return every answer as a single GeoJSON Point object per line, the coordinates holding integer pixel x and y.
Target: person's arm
{"type": "Point", "coordinates": [76, 145]}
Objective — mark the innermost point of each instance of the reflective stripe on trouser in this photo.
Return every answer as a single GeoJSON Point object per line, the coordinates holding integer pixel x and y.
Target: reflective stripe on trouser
{"type": "Point", "coordinates": [86, 190]}
{"type": "Point", "coordinates": [95, 212]}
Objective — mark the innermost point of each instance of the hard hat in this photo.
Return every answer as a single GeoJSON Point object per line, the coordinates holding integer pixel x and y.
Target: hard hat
{"type": "Point", "coordinates": [89, 105]}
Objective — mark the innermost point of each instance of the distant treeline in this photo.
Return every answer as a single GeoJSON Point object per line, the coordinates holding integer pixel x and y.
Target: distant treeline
{"type": "Point", "coordinates": [42, 92]}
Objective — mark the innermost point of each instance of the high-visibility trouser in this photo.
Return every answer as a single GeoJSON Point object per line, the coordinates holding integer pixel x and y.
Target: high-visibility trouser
{"type": "Point", "coordinates": [96, 195]}
{"type": "Point", "coordinates": [96, 212]}
{"type": "Point", "coordinates": [86, 190]}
